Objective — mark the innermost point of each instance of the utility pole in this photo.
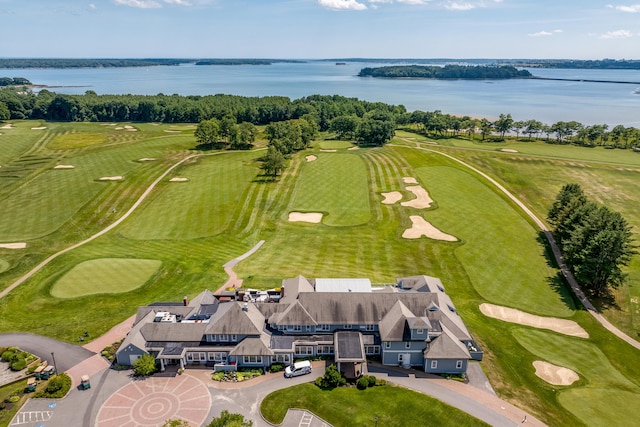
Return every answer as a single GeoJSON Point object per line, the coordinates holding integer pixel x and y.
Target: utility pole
{"type": "Point", "coordinates": [54, 362]}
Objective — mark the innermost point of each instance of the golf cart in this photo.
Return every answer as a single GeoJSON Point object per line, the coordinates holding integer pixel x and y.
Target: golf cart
{"type": "Point", "coordinates": [31, 385]}
{"type": "Point", "coordinates": [84, 382]}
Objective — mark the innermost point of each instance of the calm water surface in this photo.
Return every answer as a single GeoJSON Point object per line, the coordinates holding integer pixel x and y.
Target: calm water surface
{"type": "Point", "coordinates": [544, 100]}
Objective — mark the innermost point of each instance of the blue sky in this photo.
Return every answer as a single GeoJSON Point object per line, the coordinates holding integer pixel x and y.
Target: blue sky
{"type": "Point", "coordinates": [582, 29]}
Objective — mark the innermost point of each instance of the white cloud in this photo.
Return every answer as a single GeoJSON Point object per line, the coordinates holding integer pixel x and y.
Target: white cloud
{"type": "Point", "coordinates": [452, 5]}
{"type": "Point", "coordinates": [540, 34]}
{"type": "Point", "coordinates": [342, 4]}
{"type": "Point", "coordinates": [633, 8]}
{"type": "Point", "coordinates": [178, 2]}
{"type": "Point", "coordinates": [92, 6]}
{"type": "Point", "coordinates": [142, 4]}
{"type": "Point", "coordinates": [619, 34]}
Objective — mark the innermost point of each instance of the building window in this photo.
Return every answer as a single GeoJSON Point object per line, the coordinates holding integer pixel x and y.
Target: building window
{"type": "Point", "coordinates": [420, 331]}
{"type": "Point", "coordinates": [210, 338]}
{"type": "Point", "coordinates": [296, 328]}
{"type": "Point", "coordinates": [280, 358]}
{"type": "Point", "coordinates": [458, 364]}
{"type": "Point", "coordinates": [304, 350]}
{"type": "Point", "coordinates": [252, 359]}
{"type": "Point", "coordinates": [323, 328]}
{"type": "Point", "coordinates": [234, 338]}
{"type": "Point", "coordinates": [434, 364]}
{"type": "Point", "coordinates": [370, 328]}
{"type": "Point", "coordinates": [387, 344]}
{"type": "Point", "coordinates": [197, 357]}
{"type": "Point", "coordinates": [325, 349]}
{"type": "Point", "coordinates": [401, 357]}
{"type": "Point", "coordinates": [217, 356]}
{"type": "Point", "coordinates": [371, 349]}
{"type": "Point", "coordinates": [407, 344]}
{"type": "Point", "coordinates": [223, 337]}
{"type": "Point", "coordinates": [347, 326]}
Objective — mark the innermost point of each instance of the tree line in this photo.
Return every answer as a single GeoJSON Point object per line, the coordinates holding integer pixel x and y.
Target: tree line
{"type": "Point", "coordinates": [595, 240]}
{"type": "Point", "coordinates": [14, 81]}
{"type": "Point", "coordinates": [446, 72]}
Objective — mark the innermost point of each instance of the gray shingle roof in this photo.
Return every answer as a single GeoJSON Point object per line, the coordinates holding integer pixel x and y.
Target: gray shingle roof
{"type": "Point", "coordinates": [230, 318]}
{"type": "Point", "coordinates": [253, 346]}
{"type": "Point", "coordinates": [292, 287]}
{"type": "Point", "coordinates": [161, 331]}
{"type": "Point", "coordinates": [295, 314]}
{"type": "Point", "coordinates": [392, 326]}
{"type": "Point", "coordinates": [349, 347]}
{"type": "Point", "coordinates": [446, 346]}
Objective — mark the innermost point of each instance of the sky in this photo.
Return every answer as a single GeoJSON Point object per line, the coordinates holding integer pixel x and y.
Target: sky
{"type": "Point", "coordinates": [308, 29]}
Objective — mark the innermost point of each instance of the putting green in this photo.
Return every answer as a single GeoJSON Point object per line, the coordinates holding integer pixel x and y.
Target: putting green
{"type": "Point", "coordinates": [335, 145]}
{"type": "Point", "coordinates": [105, 276]}
{"type": "Point", "coordinates": [4, 265]}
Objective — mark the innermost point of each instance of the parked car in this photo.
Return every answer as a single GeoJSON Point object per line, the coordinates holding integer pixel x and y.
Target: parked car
{"type": "Point", "coordinates": [297, 369]}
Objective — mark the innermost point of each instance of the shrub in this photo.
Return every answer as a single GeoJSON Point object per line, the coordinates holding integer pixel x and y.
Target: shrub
{"type": "Point", "coordinates": [362, 383]}
{"type": "Point", "coordinates": [8, 356]}
{"type": "Point", "coordinates": [371, 380]}
{"type": "Point", "coordinates": [145, 365]}
{"type": "Point", "coordinates": [332, 378]}
{"type": "Point", "coordinates": [276, 367]}
{"type": "Point", "coordinates": [18, 365]}
{"type": "Point", "coordinates": [58, 387]}
{"type": "Point", "coordinates": [381, 382]}
{"type": "Point", "coordinates": [13, 399]}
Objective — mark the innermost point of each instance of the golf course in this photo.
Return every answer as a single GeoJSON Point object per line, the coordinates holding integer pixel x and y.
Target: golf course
{"type": "Point", "coordinates": [335, 211]}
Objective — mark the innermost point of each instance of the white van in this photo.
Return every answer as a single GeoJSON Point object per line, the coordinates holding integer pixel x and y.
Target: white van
{"type": "Point", "coordinates": [298, 368]}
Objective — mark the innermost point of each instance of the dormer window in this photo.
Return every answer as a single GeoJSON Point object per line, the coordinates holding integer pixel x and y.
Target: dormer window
{"type": "Point", "coordinates": [420, 331]}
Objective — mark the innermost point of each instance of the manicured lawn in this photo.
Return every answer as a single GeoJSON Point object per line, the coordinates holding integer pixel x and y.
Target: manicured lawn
{"type": "Point", "coordinates": [599, 406]}
{"type": "Point", "coordinates": [336, 185]}
{"type": "Point", "coordinates": [200, 207]}
{"type": "Point", "coordinates": [77, 140]}
{"type": "Point", "coordinates": [392, 406]}
{"type": "Point", "coordinates": [4, 265]}
{"type": "Point", "coordinates": [335, 145]}
{"type": "Point", "coordinates": [105, 276]}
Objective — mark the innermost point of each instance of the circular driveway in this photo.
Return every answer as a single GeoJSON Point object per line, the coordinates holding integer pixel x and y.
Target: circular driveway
{"type": "Point", "coordinates": [152, 401]}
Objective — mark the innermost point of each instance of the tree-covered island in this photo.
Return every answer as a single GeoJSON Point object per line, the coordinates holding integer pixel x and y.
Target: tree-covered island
{"type": "Point", "coordinates": [446, 72]}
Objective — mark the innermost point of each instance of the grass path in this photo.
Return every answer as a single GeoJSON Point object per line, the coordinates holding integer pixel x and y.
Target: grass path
{"type": "Point", "coordinates": [556, 253]}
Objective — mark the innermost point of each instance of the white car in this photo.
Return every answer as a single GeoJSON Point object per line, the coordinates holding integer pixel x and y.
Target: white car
{"type": "Point", "coordinates": [297, 369]}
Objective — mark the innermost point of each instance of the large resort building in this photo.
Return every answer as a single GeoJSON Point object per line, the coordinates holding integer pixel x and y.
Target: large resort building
{"type": "Point", "coordinates": [410, 324]}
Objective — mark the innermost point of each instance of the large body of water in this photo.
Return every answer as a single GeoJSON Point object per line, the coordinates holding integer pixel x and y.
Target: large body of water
{"type": "Point", "coordinates": [545, 100]}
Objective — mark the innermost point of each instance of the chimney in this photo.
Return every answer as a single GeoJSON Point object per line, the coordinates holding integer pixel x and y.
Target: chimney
{"type": "Point", "coordinates": [185, 301]}
{"type": "Point", "coordinates": [245, 307]}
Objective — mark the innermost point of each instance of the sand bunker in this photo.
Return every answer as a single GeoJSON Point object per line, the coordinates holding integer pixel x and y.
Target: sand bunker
{"type": "Point", "coordinates": [108, 124]}
{"type": "Point", "coordinates": [147, 159]}
{"type": "Point", "coordinates": [409, 180]}
{"type": "Point", "coordinates": [64, 167]}
{"type": "Point", "coordinates": [7, 126]}
{"type": "Point", "coordinates": [178, 179]}
{"type": "Point", "coordinates": [119, 128]}
{"type": "Point", "coordinates": [329, 151]}
{"type": "Point", "coordinates": [311, 158]}
{"type": "Point", "coordinates": [508, 150]}
{"type": "Point", "coordinates": [111, 178]}
{"type": "Point", "coordinates": [353, 148]}
{"type": "Point", "coordinates": [172, 131]}
{"type": "Point", "coordinates": [13, 245]}
{"type": "Point", "coordinates": [423, 228]}
{"type": "Point", "coordinates": [556, 375]}
{"type": "Point", "coordinates": [422, 200]}
{"type": "Point", "coordinates": [313, 217]}
{"type": "Point", "coordinates": [392, 197]}
{"type": "Point", "coordinates": [128, 127]}
{"type": "Point", "coordinates": [39, 128]}
{"type": "Point", "coordinates": [562, 326]}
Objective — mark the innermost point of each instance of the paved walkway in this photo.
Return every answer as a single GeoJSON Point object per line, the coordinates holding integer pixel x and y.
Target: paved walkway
{"type": "Point", "coordinates": [234, 281]}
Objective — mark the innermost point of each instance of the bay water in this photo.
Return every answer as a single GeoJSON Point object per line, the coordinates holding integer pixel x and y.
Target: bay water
{"type": "Point", "coordinates": [546, 100]}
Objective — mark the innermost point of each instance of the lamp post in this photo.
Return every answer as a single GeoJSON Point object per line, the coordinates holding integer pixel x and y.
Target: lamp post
{"type": "Point", "coordinates": [54, 362]}
{"type": "Point", "coordinates": [376, 420]}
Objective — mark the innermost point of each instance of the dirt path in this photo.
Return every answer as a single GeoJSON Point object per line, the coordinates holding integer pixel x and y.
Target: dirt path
{"type": "Point", "coordinates": [556, 253]}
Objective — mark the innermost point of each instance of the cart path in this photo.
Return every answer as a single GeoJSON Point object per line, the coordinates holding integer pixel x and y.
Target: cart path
{"type": "Point", "coordinates": [234, 281]}
{"type": "Point", "coordinates": [104, 231]}
{"type": "Point", "coordinates": [555, 249]}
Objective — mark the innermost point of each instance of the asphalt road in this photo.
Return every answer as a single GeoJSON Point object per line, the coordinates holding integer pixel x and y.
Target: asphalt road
{"type": "Point", "coordinates": [66, 355]}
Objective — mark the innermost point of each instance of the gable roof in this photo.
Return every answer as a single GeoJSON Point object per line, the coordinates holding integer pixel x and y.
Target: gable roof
{"type": "Point", "coordinates": [295, 314]}
{"type": "Point", "coordinates": [446, 346]}
{"type": "Point", "coordinates": [392, 326]}
{"type": "Point", "coordinates": [292, 287]}
{"type": "Point", "coordinates": [230, 318]}
{"type": "Point", "coordinates": [162, 332]}
{"type": "Point", "coordinates": [253, 346]}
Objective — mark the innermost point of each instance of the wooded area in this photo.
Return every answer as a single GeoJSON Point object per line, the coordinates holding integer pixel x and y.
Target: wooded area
{"type": "Point", "coordinates": [446, 72]}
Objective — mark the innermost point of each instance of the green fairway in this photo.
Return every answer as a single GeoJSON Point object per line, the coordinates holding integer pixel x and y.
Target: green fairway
{"type": "Point", "coordinates": [200, 207]}
{"type": "Point", "coordinates": [105, 276]}
{"type": "Point", "coordinates": [384, 405]}
{"type": "Point", "coordinates": [598, 407]}
{"type": "Point", "coordinates": [334, 184]}
{"type": "Point", "coordinates": [4, 265]}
